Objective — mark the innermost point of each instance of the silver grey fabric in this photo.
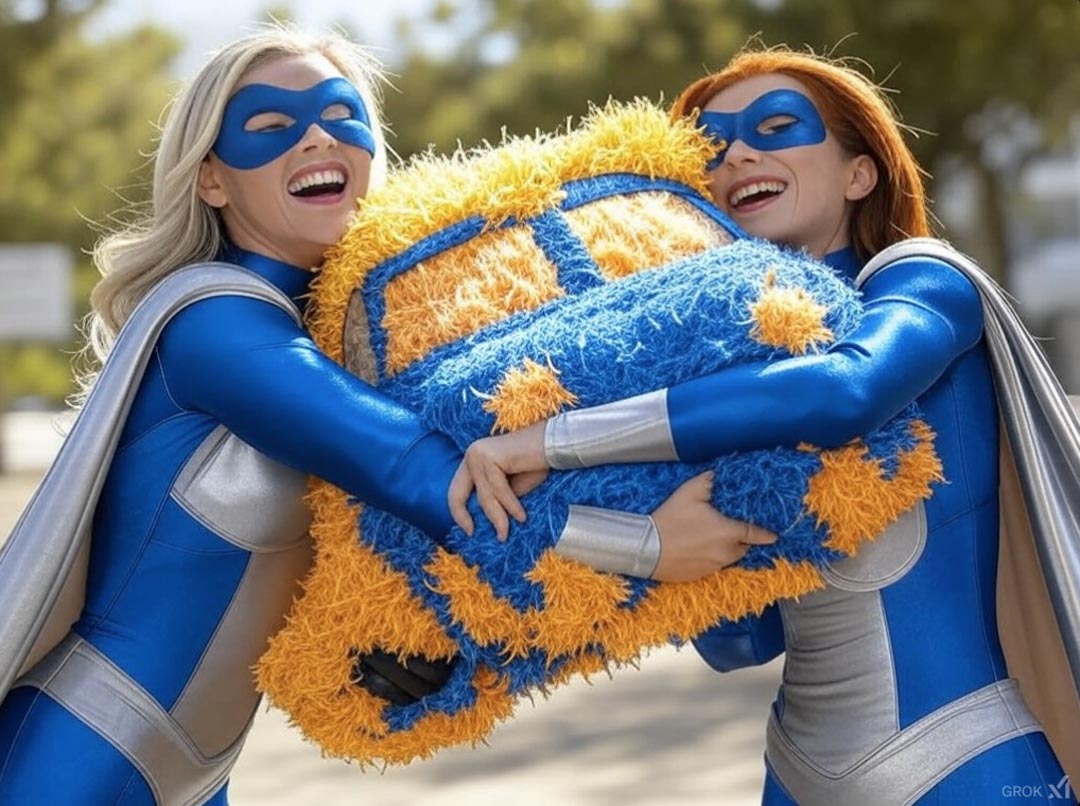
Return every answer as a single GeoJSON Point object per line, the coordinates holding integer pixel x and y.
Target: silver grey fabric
{"type": "Point", "coordinates": [839, 693]}
{"type": "Point", "coordinates": [633, 430]}
{"type": "Point", "coordinates": [242, 496]}
{"type": "Point", "coordinates": [881, 562]}
{"type": "Point", "coordinates": [611, 541]}
{"type": "Point", "coordinates": [907, 766]}
{"type": "Point", "coordinates": [840, 697]}
{"type": "Point", "coordinates": [92, 688]}
{"type": "Point", "coordinates": [1042, 429]}
{"type": "Point", "coordinates": [37, 559]}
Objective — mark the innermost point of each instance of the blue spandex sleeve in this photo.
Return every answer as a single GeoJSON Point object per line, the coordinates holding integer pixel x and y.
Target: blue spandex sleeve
{"type": "Point", "coordinates": [750, 641]}
{"type": "Point", "coordinates": [247, 364]}
{"type": "Point", "coordinates": [920, 315]}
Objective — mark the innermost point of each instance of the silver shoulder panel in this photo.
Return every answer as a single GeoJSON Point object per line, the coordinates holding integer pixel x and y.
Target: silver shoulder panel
{"type": "Point", "coordinates": [242, 495]}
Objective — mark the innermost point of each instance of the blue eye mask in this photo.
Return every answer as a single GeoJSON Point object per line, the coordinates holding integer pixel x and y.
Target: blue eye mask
{"type": "Point", "coordinates": [806, 129]}
{"type": "Point", "coordinates": [244, 150]}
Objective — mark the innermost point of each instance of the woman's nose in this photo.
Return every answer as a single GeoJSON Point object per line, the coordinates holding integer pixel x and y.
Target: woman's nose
{"type": "Point", "coordinates": [738, 152]}
{"type": "Point", "coordinates": [317, 137]}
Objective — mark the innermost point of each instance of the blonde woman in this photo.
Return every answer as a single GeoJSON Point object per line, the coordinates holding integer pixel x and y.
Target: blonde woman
{"type": "Point", "coordinates": [191, 450]}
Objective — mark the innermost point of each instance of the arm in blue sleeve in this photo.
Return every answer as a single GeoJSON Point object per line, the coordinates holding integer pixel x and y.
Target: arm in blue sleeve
{"type": "Point", "coordinates": [920, 315]}
{"type": "Point", "coordinates": [248, 365]}
{"type": "Point", "coordinates": [750, 641]}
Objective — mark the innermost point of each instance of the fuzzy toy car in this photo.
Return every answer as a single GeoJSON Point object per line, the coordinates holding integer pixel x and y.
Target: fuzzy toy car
{"type": "Point", "coordinates": [490, 290]}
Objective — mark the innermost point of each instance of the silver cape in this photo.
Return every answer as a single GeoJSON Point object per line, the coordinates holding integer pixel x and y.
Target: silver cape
{"type": "Point", "coordinates": [43, 561]}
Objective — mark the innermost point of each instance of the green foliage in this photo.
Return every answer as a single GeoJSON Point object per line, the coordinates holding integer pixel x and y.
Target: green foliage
{"type": "Point", "coordinates": [78, 125]}
{"type": "Point", "coordinates": [529, 64]}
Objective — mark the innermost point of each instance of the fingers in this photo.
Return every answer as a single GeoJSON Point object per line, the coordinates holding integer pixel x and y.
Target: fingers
{"type": "Point", "coordinates": [461, 487]}
{"type": "Point", "coordinates": [493, 510]}
{"type": "Point", "coordinates": [758, 536]}
{"type": "Point", "coordinates": [499, 486]}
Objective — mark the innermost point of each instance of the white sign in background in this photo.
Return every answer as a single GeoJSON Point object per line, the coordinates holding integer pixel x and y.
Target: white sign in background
{"type": "Point", "coordinates": [36, 292]}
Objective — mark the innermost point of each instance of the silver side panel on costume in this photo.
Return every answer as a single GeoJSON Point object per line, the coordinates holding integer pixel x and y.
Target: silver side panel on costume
{"type": "Point", "coordinates": [187, 753]}
{"type": "Point", "coordinates": [822, 689]}
{"type": "Point", "coordinates": [904, 768]}
{"type": "Point", "coordinates": [51, 537]}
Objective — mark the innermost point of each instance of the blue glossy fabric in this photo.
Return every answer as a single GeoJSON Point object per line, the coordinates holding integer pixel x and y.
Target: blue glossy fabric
{"type": "Point", "coordinates": [806, 128]}
{"type": "Point", "coordinates": [918, 319]}
{"type": "Point", "coordinates": [920, 339]}
{"type": "Point", "coordinates": [241, 148]}
{"type": "Point", "coordinates": [159, 581]}
{"type": "Point", "coordinates": [750, 641]}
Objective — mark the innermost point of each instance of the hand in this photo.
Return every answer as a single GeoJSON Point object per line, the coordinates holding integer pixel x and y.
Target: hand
{"type": "Point", "coordinates": [501, 469]}
{"type": "Point", "coordinates": [695, 539]}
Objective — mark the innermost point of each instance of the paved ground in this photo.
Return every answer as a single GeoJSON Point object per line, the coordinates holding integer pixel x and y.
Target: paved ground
{"type": "Point", "coordinates": [671, 733]}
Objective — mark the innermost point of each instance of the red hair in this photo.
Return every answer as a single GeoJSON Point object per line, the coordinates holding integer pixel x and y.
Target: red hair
{"type": "Point", "coordinates": [857, 113]}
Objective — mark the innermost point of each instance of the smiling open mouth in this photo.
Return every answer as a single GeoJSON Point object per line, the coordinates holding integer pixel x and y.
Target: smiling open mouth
{"type": "Point", "coordinates": [320, 183]}
{"type": "Point", "coordinates": [754, 193]}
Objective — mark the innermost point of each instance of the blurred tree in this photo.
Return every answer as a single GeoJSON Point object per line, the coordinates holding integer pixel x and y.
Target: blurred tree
{"type": "Point", "coordinates": [994, 84]}
{"type": "Point", "coordinates": [529, 64]}
{"type": "Point", "coordinates": [78, 125]}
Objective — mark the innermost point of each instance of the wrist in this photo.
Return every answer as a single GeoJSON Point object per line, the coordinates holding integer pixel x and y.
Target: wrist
{"type": "Point", "coordinates": [636, 429]}
{"type": "Point", "coordinates": [611, 541]}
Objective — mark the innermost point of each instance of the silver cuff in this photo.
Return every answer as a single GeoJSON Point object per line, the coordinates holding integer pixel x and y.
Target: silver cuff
{"type": "Point", "coordinates": [633, 430]}
{"type": "Point", "coordinates": [611, 541]}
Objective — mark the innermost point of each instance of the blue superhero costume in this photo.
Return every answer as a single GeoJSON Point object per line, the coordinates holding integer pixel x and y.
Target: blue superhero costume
{"type": "Point", "coordinates": [895, 688]}
{"type": "Point", "coordinates": [198, 542]}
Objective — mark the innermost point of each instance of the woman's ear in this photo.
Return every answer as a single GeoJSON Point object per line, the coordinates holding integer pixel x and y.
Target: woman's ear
{"type": "Point", "coordinates": [211, 189]}
{"type": "Point", "coordinates": [862, 179]}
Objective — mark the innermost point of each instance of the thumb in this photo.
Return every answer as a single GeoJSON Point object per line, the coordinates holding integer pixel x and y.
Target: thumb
{"type": "Point", "coordinates": [701, 486]}
{"type": "Point", "coordinates": [758, 536]}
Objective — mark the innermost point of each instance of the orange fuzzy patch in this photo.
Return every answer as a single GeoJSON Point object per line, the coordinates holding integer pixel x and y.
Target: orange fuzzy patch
{"type": "Point", "coordinates": [463, 289]}
{"type": "Point", "coordinates": [788, 317]}
{"type": "Point", "coordinates": [628, 234]}
{"type": "Point", "coordinates": [527, 395]}
{"type": "Point", "coordinates": [681, 610]}
{"type": "Point", "coordinates": [576, 600]}
{"type": "Point", "coordinates": [852, 496]}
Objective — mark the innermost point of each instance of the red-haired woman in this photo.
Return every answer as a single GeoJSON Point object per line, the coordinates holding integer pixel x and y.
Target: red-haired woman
{"type": "Point", "coordinates": [895, 686]}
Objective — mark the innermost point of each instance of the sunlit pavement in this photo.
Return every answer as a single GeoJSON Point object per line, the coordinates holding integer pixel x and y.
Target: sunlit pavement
{"type": "Point", "coordinates": [672, 732]}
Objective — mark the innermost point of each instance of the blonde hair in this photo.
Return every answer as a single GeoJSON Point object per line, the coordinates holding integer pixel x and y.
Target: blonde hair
{"type": "Point", "coordinates": [178, 227]}
{"type": "Point", "coordinates": [859, 115]}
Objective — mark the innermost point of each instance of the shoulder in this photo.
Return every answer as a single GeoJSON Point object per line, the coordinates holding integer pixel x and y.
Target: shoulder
{"type": "Point", "coordinates": [933, 285]}
{"type": "Point", "coordinates": [225, 322]}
